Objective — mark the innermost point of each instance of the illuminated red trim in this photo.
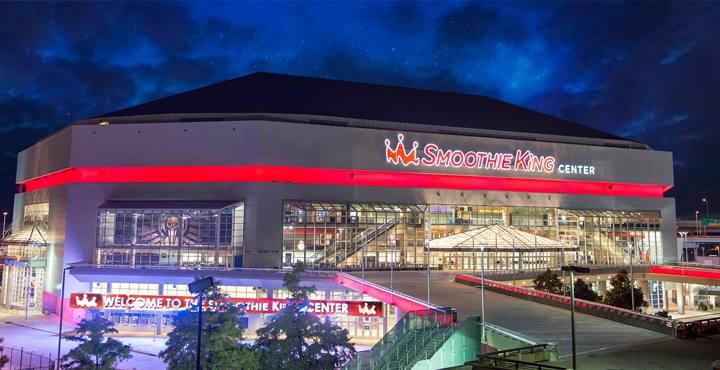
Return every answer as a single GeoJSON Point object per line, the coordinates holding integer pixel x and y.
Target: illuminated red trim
{"type": "Point", "coordinates": [705, 274]}
{"type": "Point", "coordinates": [401, 301]}
{"type": "Point", "coordinates": [328, 176]}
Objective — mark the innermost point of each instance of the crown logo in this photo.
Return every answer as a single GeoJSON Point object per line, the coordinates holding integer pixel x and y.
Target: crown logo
{"type": "Point", "coordinates": [398, 154]}
{"type": "Point", "coordinates": [366, 310]}
{"type": "Point", "coordinates": [85, 302]}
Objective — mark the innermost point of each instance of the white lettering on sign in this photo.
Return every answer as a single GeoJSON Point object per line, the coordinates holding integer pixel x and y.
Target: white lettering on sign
{"type": "Point", "coordinates": [519, 161]}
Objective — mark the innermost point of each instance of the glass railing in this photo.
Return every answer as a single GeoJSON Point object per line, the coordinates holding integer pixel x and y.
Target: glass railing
{"type": "Point", "coordinates": [417, 333]}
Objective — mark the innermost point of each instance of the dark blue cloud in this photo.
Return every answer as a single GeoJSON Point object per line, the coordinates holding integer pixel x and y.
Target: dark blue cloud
{"type": "Point", "coordinates": [645, 70]}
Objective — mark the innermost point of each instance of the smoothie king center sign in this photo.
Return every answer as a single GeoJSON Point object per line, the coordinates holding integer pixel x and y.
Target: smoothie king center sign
{"type": "Point", "coordinates": [521, 160]}
{"type": "Point", "coordinates": [246, 305]}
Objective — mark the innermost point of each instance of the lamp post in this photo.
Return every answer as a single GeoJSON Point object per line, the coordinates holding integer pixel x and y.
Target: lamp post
{"type": "Point", "coordinates": [562, 262]}
{"type": "Point", "coordinates": [427, 241]}
{"type": "Point", "coordinates": [62, 306]}
{"type": "Point", "coordinates": [632, 279]}
{"type": "Point", "coordinates": [513, 258]}
{"type": "Point", "coordinates": [3, 232]}
{"type": "Point", "coordinates": [482, 289]}
{"type": "Point", "coordinates": [199, 287]}
{"type": "Point", "coordinates": [572, 270]}
{"type": "Point", "coordinates": [683, 236]}
{"type": "Point", "coordinates": [697, 227]}
{"type": "Point", "coordinates": [707, 212]}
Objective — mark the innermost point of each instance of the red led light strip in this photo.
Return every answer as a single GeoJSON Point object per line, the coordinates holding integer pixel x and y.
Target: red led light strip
{"type": "Point", "coordinates": [705, 274]}
{"type": "Point", "coordinates": [328, 176]}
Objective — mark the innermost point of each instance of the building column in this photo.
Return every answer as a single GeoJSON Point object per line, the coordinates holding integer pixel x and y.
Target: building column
{"type": "Point", "coordinates": [328, 294]}
{"type": "Point", "coordinates": [691, 292]}
{"type": "Point", "coordinates": [666, 296]}
{"type": "Point", "coordinates": [644, 285]}
{"type": "Point", "coordinates": [680, 298]}
{"type": "Point", "coordinates": [269, 293]}
{"type": "Point", "coordinates": [399, 314]}
{"type": "Point", "coordinates": [159, 314]}
{"type": "Point", "coordinates": [603, 287]}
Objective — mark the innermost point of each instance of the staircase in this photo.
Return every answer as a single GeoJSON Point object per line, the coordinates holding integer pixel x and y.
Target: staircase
{"type": "Point", "coordinates": [342, 253]}
{"type": "Point", "coordinates": [417, 336]}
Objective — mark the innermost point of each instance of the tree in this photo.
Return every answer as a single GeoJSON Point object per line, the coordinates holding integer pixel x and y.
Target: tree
{"type": "Point", "coordinates": [619, 293]}
{"type": "Point", "coordinates": [548, 282]}
{"type": "Point", "coordinates": [582, 291]}
{"type": "Point", "coordinates": [95, 352]}
{"type": "Point", "coordinates": [295, 340]}
{"type": "Point", "coordinates": [221, 335]}
{"type": "Point", "coordinates": [3, 359]}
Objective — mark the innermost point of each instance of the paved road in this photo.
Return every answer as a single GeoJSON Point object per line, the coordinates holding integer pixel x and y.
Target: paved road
{"type": "Point", "coordinates": [536, 320]}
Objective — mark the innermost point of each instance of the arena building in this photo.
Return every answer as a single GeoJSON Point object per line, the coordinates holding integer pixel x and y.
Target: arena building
{"type": "Point", "coordinates": [267, 170]}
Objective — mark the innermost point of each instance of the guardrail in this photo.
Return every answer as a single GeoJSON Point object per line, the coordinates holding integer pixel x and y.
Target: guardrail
{"type": "Point", "coordinates": [395, 293]}
{"type": "Point", "coordinates": [199, 268]}
{"type": "Point", "coordinates": [503, 363]}
{"type": "Point", "coordinates": [672, 327]}
{"type": "Point", "coordinates": [700, 265]}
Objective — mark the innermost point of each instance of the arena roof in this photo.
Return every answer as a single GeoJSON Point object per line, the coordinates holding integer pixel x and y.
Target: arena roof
{"type": "Point", "coordinates": [269, 93]}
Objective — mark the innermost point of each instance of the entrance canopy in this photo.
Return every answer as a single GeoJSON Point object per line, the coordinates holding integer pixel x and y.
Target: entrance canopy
{"type": "Point", "coordinates": [485, 236]}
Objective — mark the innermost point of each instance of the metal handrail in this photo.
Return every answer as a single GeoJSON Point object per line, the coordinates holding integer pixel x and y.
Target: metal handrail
{"type": "Point", "coordinates": [700, 265]}
{"type": "Point", "coordinates": [209, 268]}
{"type": "Point", "coordinates": [504, 363]}
{"type": "Point", "coordinates": [392, 292]}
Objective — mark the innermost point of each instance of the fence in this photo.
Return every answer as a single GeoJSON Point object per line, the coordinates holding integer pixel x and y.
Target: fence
{"type": "Point", "coordinates": [20, 359]}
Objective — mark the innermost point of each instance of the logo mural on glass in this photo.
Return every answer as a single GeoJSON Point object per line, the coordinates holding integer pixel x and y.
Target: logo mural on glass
{"type": "Point", "coordinates": [433, 155]}
{"type": "Point", "coordinates": [168, 231]}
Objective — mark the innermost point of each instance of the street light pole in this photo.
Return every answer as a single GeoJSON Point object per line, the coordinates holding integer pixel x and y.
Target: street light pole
{"type": "Point", "coordinates": [482, 289]}
{"type": "Point", "coordinates": [572, 270]}
{"type": "Point", "coordinates": [707, 213]}
{"type": "Point", "coordinates": [513, 258]}
{"type": "Point", "coordinates": [632, 279]}
{"type": "Point", "coordinates": [683, 236]}
{"type": "Point", "coordinates": [697, 227]}
{"type": "Point", "coordinates": [62, 306]}
{"type": "Point", "coordinates": [3, 231]}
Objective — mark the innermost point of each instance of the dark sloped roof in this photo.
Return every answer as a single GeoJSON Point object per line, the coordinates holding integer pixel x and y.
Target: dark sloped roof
{"type": "Point", "coordinates": [284, 94]}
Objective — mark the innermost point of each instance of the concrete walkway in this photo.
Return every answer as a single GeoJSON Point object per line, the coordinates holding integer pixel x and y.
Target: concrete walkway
{"type": "Point", "coordinates": [536, 320]}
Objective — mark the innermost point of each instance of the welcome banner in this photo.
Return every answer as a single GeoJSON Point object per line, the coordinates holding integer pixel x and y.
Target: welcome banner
{"type": "Point", "coordinates": [246, 305]}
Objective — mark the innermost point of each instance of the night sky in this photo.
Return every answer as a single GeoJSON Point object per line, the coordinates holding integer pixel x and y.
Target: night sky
{"type": "Point", "coordinates": [647, 71]}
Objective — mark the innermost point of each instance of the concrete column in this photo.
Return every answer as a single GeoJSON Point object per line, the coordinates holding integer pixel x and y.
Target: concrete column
{"type": "Point", "coordinates": [603, 287]}
{"type": "Point", "coordinates": [158, 315]}
{"type": "Point", "coordinates": [328, 294]}
{"type": "Point", "coordinates": [644, 285]}
{"type": "Point", "coordinates": [399, 314]}
{"type": "Point", "coordinates": [269, 293]}
{"type": "Point", "coordinates": [691, 292]}
{"type": "Point", "coordinates": [666, 295]}
{"type": "Point", "coordinates": [680, 298]}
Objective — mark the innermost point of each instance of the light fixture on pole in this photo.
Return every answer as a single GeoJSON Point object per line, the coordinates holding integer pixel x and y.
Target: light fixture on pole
{"type": "Point", "coordinates": [572, 270]}
{"type": "Point", "coordinates": [513, 258]}
{"type": "Point", "coordinates": [482, 290]}
{"type": "Point", "coordinates": [632, 279]}
{"type": "Point", "coordinates": [198, 287]}
{"type": "Point", "coordinates": [697, 227]}
{"type": "Point", "coordinates": [707, 213]}
{"type": "Point", "coordinates": [562, 262]}
{"type": "Point", "coordinates": [427, 241]}
{"type": "Point", "coordinates": [3, 231]}
{"type": "Point", "coordinates": [62, 306]}
{"type": "Point", "coordinates": [683, 236]}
